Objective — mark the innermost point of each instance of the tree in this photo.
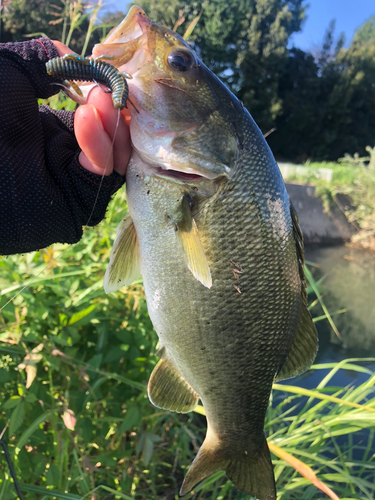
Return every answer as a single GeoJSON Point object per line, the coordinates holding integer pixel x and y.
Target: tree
{"type": "Point", "coordinates": [298, 127]}
{"type": "Point", "coordinates": [365, 34]}
{"type": "Point", "coordinates": [243, 41]}
{"type": "Point", "coordinates": [329, 102]}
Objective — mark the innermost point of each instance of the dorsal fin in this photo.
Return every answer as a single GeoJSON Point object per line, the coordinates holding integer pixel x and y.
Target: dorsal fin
{"type": "Point", "coordinates": [305, 343]}
{"type": "Point", "coordinates": [123, 267]}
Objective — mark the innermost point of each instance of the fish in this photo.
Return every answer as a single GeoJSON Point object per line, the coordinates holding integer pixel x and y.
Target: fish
{"type": "Point", "coordinates": [212, 231]}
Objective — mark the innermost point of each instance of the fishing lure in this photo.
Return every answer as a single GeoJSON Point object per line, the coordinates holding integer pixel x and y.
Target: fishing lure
{"type": "Point", "coordinates": [73, 67]}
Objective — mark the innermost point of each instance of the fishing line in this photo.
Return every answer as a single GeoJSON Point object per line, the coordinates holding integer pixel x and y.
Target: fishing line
{"type": "Point", "coordinates": [55, 259]}
{"type": "Point", "coordinates": [106, 165]}
{"type": "Point", "coordinates": [10, 465]}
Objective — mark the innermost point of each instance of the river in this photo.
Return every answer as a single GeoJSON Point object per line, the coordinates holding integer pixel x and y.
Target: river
{"type": "Point", "coordinates": [349, 283]}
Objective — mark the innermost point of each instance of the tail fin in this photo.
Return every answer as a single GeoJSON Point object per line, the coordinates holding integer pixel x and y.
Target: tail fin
{"type": "Point", "coordinates": [250, 471]}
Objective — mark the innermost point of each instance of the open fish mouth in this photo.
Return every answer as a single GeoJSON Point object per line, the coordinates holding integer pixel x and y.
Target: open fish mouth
{"type": "Point", "coordinates": [127, 44]}
{"type": "Point", "coordinates": [135, 24]}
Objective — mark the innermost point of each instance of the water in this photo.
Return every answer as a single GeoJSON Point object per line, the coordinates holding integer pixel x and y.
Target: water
{"type": "Point", "coordinates": [349, 283]}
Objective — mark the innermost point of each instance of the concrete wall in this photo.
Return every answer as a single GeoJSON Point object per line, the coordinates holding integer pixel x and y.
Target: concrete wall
{"type": "Point", "coordinates": [318, 227]}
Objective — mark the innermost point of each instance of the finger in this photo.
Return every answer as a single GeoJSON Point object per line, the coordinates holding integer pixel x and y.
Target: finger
{"type": "Point", "coordinates": [96, 145]}
{"type": "Point", "coordinates": [114, 123]}
{"type": "Point", "coordinates": [61, 48]}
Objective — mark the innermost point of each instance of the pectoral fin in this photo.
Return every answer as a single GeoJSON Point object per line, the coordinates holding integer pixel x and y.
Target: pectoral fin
{"type": "Point", "coordinates": [193, 252]}
{"type": "Point", "coordinates": [123, 266]}
{"type": "Point", "coordinates": [169, 391]}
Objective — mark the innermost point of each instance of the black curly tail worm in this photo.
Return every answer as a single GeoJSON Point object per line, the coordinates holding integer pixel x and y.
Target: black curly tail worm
{"type": "Point", "coordinates": [73, 67]}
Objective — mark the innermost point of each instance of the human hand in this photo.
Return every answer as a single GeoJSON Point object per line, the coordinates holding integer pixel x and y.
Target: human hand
{"type": "Point", "coordinates": [95, 127]}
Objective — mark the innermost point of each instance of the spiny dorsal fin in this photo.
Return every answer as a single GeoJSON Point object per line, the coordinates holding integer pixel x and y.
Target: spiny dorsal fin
{"type": "Point", "coordinates": [298, 239]}
{"type": "Point", "coordinates": [169, 391]}
{"type": "Point", "coordinates": [193, 252]}
{"type": "Point", "coordinates": [305, 344]}
{"type": "Point", "coordinates": [123, 267]}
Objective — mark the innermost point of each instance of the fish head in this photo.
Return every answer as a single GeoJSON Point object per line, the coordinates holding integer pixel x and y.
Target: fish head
{"type": "Point", "coordinates": [184, 119]}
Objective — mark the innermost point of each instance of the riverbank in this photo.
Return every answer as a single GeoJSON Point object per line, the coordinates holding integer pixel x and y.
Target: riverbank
{"type": "Point", "coordinates": [335, 201]}
{"type": "Point", "coordinates": [319, 226]}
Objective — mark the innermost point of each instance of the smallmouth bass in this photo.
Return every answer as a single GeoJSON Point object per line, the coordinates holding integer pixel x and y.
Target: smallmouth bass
{"type": "Point", "coordinates": [212, 231]}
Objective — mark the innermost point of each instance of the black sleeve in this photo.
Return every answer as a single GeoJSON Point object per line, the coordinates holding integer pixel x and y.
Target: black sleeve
{"type": "Point", "coordinates": [45, 195]}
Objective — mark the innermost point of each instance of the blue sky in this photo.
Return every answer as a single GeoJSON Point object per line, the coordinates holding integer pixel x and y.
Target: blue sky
{"type": "Point", "coordinates": [349, 14]}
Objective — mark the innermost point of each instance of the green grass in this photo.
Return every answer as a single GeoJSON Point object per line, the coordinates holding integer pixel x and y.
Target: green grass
{"type": "Point", "coordinates": [342, 174]}
{"type": "Point", "coordinates": [65, 345]}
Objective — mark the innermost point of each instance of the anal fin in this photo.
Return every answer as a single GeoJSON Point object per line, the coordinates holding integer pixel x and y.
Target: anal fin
{"type": "Point", "coordinates": [169, 391]}
{"type": "Point", "coordinates": [303, 350]}
{"type": "Point", "coordinates": [123, 267]}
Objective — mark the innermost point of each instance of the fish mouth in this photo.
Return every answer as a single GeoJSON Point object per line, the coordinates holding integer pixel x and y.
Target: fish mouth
{"type": "Point", "coordinates": [173, 172]}
{"type": "Point", "coordinates": [127, 44]}
{"type": "Point", "coordinates": [179, 176]}
{"type": "Point", "coordinates": [135, 24]}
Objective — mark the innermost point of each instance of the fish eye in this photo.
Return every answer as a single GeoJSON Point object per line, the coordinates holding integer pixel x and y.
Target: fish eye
{"type": "Point", "coordinates": [181, 60]}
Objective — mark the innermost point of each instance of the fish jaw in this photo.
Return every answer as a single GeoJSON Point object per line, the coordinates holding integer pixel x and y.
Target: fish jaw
{"type": "Point", "coordinates": [134, 25]}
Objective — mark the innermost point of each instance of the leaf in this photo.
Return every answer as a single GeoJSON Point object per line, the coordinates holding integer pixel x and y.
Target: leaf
{"type": "Point", "coordinates": [81, 314]}
{"type": "Point", "coordinates": [319, 297]}
{"type": "Point", "coordinates": [17, 417]}
{"type": "Point", "coordinates": [318, 395]}
{"type": "Point", "coordinates": [39, 280]}
{"type": "Point", "coordinates": [69, 419]}
{"type": "Point", "coordinates": [303, 469]}
{"type": "Point", "coordinates": [40, 467]}
{"type": "Point", "coordinates": [31, 398]}
{"type": "Point", "coordinates": [87, 429]}
{"type": "Point", "coordinates": [29, 364]}
{"type": "Point", "coordinates": [53, 475]}
{"type": "Point", "coordinates": [115, 492]}
{"type": "Point", "coordinates": [146, 444]}
{"type": "Point", "coordinates": [84, 479]}
{"type": "Point", "coordinates": [132, 417]}
{"type": "Point", "coordinates": [147, 451]}
{"type": "Point", "coordinates": [192, 25]}
{"type": "Point", "coordinates": [30, 374]}
{"type": "Point", "coordinates": [31, 429]}
{"type": "Point", "coordinates": [200, 409]}
{"type": "Point", "coordinates": [12, 402]}
{"type": "Point", "coordinates": [49, 493]}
